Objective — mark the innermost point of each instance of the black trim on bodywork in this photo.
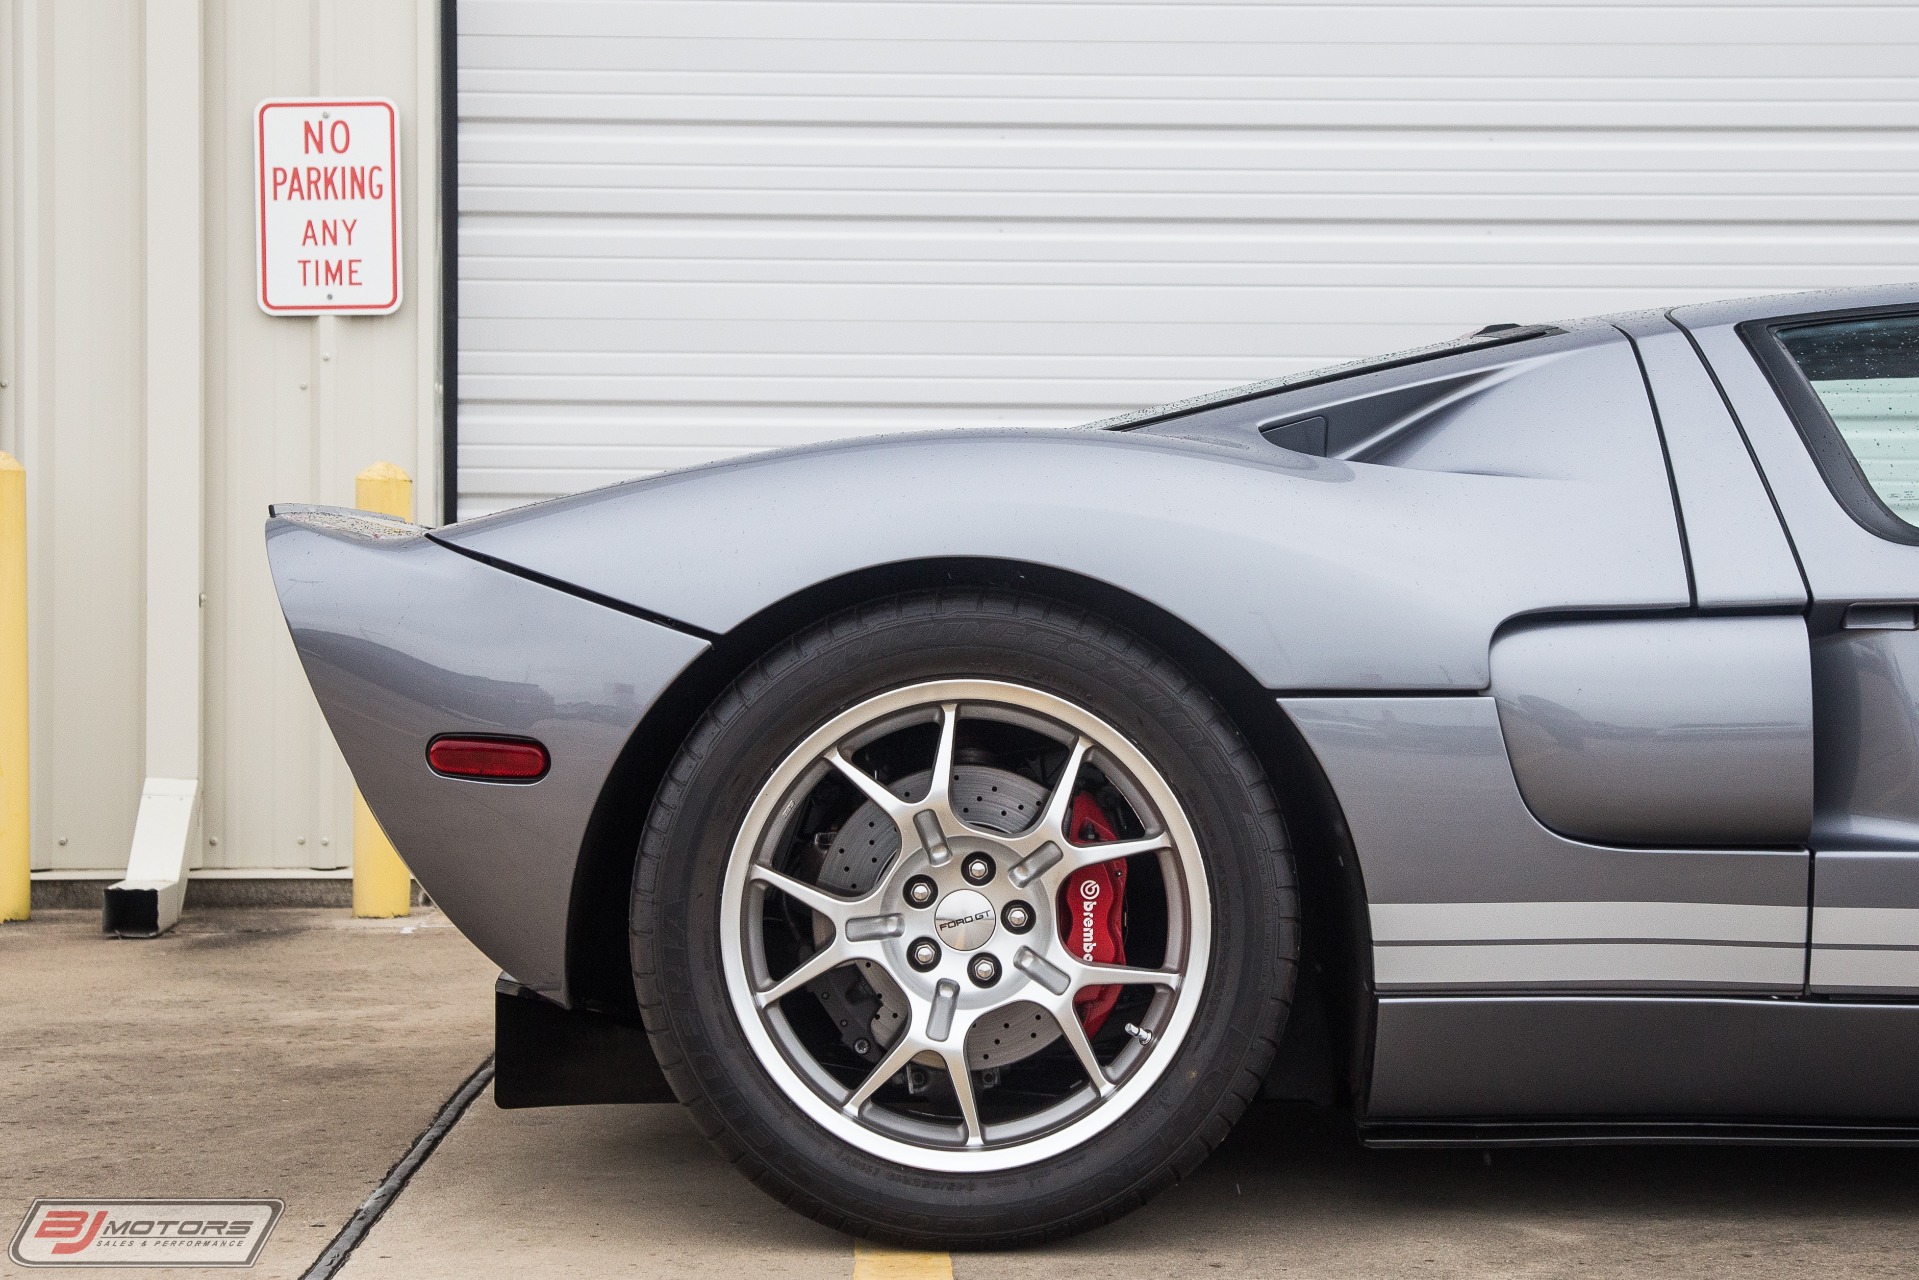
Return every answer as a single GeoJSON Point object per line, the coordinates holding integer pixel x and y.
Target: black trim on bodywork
{"type": "Point", "coordinates": [1672, 480]}
{"type": "Point", "coordinates": [1752, 455]}
{"type": "Point", "coordinates": [1829, 450]}
{"type": "Point", "coordinates": [1479, 341]}
{"type": "Point", "coordinates": [449, 263]}
{"type": "Point", "coordinates": [619, 606]}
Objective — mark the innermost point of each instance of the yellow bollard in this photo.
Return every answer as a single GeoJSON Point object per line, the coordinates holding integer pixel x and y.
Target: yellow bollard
{"type": "Point", "coordinates": [382, 886]}
{"type": "Point", "coordinates": [16, 887]}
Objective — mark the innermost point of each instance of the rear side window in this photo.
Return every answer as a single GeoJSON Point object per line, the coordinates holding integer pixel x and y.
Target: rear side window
{"type": "Point", "coordinates": [1864, 374]}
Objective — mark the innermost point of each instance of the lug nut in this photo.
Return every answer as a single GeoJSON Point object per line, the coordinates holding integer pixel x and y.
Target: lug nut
{"type": "Point", "coordinates": [1018, 917]}
{"type": "Point", "coordinates": [977, 869]}
{"type": "Point", "coordinates": [984, 971]}
{"type": "Point", "coordinates": [923, 954]}
{"type": "Point", "coordinates": [920, 891]}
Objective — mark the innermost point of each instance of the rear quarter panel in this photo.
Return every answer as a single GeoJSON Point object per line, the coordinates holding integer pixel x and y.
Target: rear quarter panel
{"type": "Point", "coordinates": [1550, 492]}
{"type": "Point", "coordinates": [403, 640]}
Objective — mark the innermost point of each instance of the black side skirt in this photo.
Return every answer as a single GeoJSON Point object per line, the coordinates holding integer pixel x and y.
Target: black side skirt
{"type": "Point", "coordinates": [1389, 1135]}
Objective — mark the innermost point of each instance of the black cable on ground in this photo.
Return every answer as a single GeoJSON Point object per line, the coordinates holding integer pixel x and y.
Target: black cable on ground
{"type": "Point", "coordinates": [334, 1256]}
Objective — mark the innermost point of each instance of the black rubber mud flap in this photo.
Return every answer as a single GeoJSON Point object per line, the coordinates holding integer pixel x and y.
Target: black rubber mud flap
{"type": "Point", "coordinates": [546, 1055]}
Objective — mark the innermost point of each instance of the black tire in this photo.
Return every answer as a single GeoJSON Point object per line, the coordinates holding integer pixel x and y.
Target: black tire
{"type": "Point", "coordinates": [898, 641]}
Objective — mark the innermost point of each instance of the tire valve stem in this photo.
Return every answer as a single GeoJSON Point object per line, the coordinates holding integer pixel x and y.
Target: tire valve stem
{"type": "Point", "coordinates": [1140, 1034]}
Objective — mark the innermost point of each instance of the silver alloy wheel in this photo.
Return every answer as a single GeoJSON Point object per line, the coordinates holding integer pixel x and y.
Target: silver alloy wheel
{"type": "Point", "coordinates": [942, 987]}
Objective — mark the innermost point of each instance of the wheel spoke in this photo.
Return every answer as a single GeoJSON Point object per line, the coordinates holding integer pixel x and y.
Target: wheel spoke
{"type": "Point", "coordinates": [890, 804]}
{"type": "Point", "coordinates": [940, 792]}
{"type": "Point", "coordinates": [1074, 1033]}
{"type": "Point", "coordinates": [1081, 975]}
{"type": "Point", "coordinates": [1035, 864]}
{"type": "Point", "coordinates": [962, 1078]}
{"type": "Point", "coordinates": [932, 837]}
{"type": "Point", "coordinates": [826, 959]}
{"type": "Point", "coordinates": [1052, 821]}
{"type": "Point", "coordinates": [1040, 970]}
{"type": "Point", "coordinates": [814, 898]}
{"type": "Point", "coordinates": [939, 1023]}
{"type": "Point", "coordinates": [896, 1058]}
{"type": "Point", "coordinates": [874, 928]}
{"type": "Point", "coordinates": [1078, 857]}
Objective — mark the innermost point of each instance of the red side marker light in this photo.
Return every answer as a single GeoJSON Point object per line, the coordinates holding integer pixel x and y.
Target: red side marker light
{"type": "Point", "coordinates": [488, 759]}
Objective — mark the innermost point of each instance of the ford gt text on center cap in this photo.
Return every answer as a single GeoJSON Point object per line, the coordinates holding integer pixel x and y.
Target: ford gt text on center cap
{"type": "Point", "coordinates": [1511, 740]}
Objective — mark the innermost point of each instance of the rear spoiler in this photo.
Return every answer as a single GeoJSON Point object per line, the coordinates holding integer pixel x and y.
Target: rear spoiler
{"type": "Point", "coordinates": [345, 522]}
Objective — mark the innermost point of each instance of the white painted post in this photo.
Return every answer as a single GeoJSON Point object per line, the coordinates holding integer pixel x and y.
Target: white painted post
{"type": "Point", "coordinates": [166, 836]}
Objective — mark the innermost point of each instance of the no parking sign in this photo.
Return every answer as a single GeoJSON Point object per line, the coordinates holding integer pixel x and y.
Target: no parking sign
{"type": "Point", "coordinates": [327, 192]}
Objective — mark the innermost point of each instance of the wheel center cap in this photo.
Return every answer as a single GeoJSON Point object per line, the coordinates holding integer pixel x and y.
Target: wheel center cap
{"type": "Point", "coordinates": [964, 919]}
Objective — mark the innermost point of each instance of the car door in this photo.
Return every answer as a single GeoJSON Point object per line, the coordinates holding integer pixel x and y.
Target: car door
{"type": "Point", "coordinates": [1829, 402]}
{"type": "Point", "coordinates": [1626, 813]}
{"type": "Point", "coordinates": [1687, 732]}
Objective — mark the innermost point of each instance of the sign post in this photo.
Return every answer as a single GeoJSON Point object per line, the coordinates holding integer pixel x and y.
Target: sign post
{"type": "Point", "coordinates": [327, 195]}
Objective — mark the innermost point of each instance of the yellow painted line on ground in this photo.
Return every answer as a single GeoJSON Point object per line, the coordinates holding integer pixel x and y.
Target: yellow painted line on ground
{"type": "Point", "coordinates": [877, 1262]}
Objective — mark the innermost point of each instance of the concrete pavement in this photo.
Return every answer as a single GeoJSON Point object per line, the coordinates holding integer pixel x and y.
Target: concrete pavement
{"type": "Point", "coordinates": [297, 1054]}
{"type": "Point", "coordinates": [589, 1191]}
{"type": "Point", "coordinates": [285, 1053]}
{"type": "Point", "coordinates": [634, 1191]}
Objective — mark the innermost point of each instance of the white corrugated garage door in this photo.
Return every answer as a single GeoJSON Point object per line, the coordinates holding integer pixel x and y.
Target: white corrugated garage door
{"type": "Point", "coordinates": [694, 229]}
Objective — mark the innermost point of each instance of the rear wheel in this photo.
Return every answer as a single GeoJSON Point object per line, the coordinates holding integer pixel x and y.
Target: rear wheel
{"type": "Point", "coordinates": [964, 918]}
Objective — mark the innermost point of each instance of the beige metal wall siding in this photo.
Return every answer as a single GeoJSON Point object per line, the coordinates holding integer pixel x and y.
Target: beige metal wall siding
{"type": "Point", "coordinates": [293, 407]}
{"type": "Point", "coordinates": [694, 229]}
{"type": "Point", "coordinates": [297, 406]}
{"type": "Point", "coordinates": [72, 409]}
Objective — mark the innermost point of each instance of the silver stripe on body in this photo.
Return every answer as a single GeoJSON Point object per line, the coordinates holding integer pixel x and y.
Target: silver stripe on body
{"type": "Point", "coordinates": [1590, 964]}
{"type": "Point", "coordinates": [1861, 969]}
{"type": "Point", "coordinates": [1865, 949]}
{"type": "Point", "coordinates": [1865, 927]}
{"type": "Point", "coordinates": [1540, 921]}
{"type": "Point", "coordinates": [1630, 944]}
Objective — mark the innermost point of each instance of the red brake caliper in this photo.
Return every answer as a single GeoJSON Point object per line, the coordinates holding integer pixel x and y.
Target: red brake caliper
{"type": "Point", "coordinates": [1090, 911]}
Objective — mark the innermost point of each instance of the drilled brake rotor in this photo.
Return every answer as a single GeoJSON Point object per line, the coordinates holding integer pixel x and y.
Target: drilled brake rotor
{"type": "Point", "coordinates": [869, 1011]}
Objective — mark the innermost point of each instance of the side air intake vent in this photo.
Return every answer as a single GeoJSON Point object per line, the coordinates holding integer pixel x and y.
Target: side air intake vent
{"type": "Point", "coordinates": [1301, 435]}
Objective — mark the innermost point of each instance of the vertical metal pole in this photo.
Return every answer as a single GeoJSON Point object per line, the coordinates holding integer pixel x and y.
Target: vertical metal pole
{"type": "Point", "coordinates": [424, 257]}
{"type": "Point", "coordinates": [382, 886]}
{"type": "Point", "coordinates": [449, 180]}
{"type": "Point", "coordinates": [16, 890]}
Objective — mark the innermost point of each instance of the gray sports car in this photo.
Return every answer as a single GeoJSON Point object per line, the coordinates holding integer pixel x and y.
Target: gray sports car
{"type": "Point", "coordinates": [1514, 740]}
